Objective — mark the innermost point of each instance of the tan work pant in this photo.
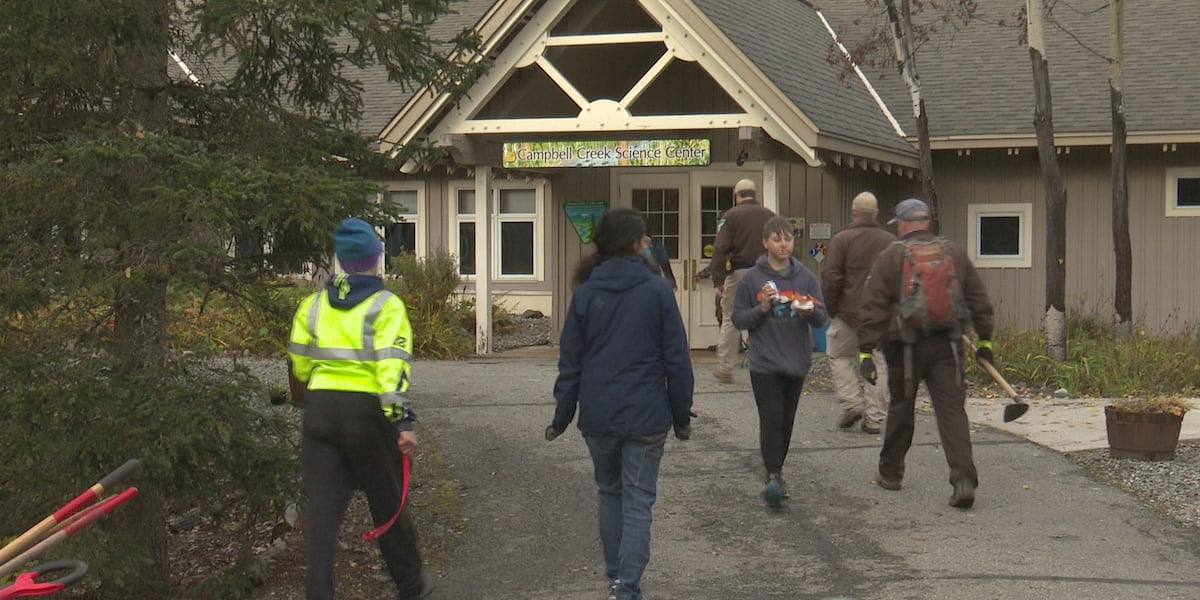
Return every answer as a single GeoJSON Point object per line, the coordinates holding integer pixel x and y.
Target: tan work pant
{"type": "Point", "coordinates": [853, 392]}
{"type": "Point", "coordinates": [730, 340]}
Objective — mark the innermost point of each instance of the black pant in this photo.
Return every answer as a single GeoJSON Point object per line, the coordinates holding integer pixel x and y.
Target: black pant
{"type": "Point", "coordinates": [777, 397]}
{"type": "Point", "coordinates": [349, 444]}
{"type": "Point", "coordinates": [937, 360]}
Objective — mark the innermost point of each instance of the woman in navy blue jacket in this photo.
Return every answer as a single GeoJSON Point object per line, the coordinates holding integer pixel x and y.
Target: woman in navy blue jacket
{"type": "Point", "coordinates": [624, 362]}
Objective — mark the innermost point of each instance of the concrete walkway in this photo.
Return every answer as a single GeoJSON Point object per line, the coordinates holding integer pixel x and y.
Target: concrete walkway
{"type": "Point", "coordinates": [1041, 528]}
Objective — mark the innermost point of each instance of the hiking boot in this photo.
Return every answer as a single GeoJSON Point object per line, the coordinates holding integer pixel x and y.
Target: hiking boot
{"type": "Point", "coordinates": [887, 484]}
{"type": "Point", "coordinates": [870, 428]}
{"type": "Point", "coordinates": [772, 493]}
{"type": "Point", "coordinates": [964, 494]}
{"type": "Point", "coordinates": [612, 588]}
{"type": "Point", "coordinates": [427, 586]}
{"type": "Point", "coordinates": [849, 418]}
{"type": "Point", "coordinates": [722, 376]}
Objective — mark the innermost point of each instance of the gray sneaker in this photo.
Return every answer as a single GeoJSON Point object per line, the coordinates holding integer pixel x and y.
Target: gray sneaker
{"type": "Point", "coordinates": [772, 492]}
{"type": "Point", "coordinates": [612, 588]}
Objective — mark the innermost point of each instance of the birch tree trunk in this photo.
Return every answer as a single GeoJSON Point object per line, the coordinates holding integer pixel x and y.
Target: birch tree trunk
{"type": "Point", "coordinates": [1123, 280]}
{"type": "Point", "coordinates": [900, 19]}
{"type": "Point", "coordinates": [1054, 322]}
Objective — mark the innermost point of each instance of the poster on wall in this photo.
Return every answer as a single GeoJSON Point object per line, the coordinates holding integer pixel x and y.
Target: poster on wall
{"type": "Point", "coordinates": [583, 216]}
{"type": "Point", "coordinates": [608, 153]}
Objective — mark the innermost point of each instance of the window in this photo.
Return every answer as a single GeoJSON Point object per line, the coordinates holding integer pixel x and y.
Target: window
{"type": "Point", "coordinates": [1000, 235]}
{"type": "Point", "coordinates": [660, 207]}
{"type": "Point", "coordinates": [1183, 192]}
{"type": "Point", "coordinates": [405, 203]}
{"type": "Point", "coordinates": [464, 225]}
{"type": "Point", "coordinates": [516, 251]}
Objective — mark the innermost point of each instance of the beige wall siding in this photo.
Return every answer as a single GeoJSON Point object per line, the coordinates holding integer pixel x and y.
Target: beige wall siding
{"type": "Point", "coordinates": [573, 185]}
{"type": "Point", "coordinates": [1165, 296]}
{"type": "Point", "coordinates": [823, 195]}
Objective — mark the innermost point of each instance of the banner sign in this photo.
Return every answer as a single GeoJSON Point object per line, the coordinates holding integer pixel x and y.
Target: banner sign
{"type": "Point", "coordinates": [612, 153]}
{"type": "Point", "coordinates": [584, 216]}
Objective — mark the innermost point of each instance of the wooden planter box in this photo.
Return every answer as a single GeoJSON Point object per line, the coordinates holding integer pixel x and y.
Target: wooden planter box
{"type": "Point", "coordinates": [1141, 435]}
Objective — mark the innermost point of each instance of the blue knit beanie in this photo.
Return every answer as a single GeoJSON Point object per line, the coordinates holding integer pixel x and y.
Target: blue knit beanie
{"type": "Point", "coordinates": [357, 245]}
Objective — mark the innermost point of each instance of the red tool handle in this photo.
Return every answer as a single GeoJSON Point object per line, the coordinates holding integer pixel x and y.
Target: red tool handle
{"type": "Point", "coordinates": [406, 469]}
{"type": "Point", "coordinates": [26, 583]}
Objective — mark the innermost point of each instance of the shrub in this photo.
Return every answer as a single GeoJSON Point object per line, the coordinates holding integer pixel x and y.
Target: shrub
{"type": "Point", "coordinates": [254, 322]}
{"type": "Point", "coordinates": [1144, 365]}
{"type": "Point", "coordinates": [427, 287]}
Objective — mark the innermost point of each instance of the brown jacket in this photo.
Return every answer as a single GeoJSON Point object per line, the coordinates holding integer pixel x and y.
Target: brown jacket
{"type": "Point", "coordinates": [739, 239]}
{"type": "Point", "coordinates": [848, 260]}
{"type": "Point", "coordinates": [880, 313]}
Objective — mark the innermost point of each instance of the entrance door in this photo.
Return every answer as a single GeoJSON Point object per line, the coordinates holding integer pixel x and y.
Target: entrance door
{"type": "Point", "coordinates": [681, 211]}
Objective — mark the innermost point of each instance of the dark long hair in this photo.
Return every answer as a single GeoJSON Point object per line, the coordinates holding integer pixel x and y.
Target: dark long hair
{"type": "Point", "coordinates": [618, 231]}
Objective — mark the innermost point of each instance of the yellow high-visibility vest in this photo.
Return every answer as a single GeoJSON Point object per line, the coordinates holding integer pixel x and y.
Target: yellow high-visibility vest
{"type": "Point", "coordinates": [366, 348]}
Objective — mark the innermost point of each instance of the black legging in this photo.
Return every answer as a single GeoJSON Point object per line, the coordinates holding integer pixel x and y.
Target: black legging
{"type": "Point", "coordinates": [777, 397]}
{"type": "Point", "coordinates": [349, 444]}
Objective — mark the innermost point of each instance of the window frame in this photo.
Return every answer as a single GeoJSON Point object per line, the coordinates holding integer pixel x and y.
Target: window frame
{"type": "Point", "coordinates": [1024, 257]}
{"type": "Point", "coordinates": [1171, 181]}
{"type": "Point", "coordinates": [455, 221]}
{"type": "Point", "coordinates": [538, 218]}
{"type": "Point", "coordinates": [417, 220]}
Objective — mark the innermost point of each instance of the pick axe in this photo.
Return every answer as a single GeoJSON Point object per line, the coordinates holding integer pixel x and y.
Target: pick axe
{"type": "Point", "coordinates": [1018, 407]}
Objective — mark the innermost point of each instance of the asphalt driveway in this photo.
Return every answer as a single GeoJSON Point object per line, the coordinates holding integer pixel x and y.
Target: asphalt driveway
{"type": "Point", "coordinates": [1040, 527]}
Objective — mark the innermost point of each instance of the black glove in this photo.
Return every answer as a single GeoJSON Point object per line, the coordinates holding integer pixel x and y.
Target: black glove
{"type": "Point", "coordinates": [984, 351]}
{"type": "Point", "coordinates": [553, 432]}
{"type": "Point", "coordinates": [683, 431]}
{"type": "Point", "coordinates": [867, 367]}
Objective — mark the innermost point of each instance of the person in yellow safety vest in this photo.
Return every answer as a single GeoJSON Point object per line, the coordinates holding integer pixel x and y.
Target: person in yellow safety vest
{"type": "Point", "coordinates": [351, 348]}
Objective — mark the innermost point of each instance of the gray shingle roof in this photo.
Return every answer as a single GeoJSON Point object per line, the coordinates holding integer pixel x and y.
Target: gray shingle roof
{"type": "Point", "coordinates": [979, 81]}
{"type": "Point", "coordinates": [788, 42]}
{"type": "Point", "coordinates": [382, 99]}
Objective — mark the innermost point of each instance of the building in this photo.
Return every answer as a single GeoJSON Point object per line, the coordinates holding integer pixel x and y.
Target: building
{"type": "Point", "coordinates": [662, 105]}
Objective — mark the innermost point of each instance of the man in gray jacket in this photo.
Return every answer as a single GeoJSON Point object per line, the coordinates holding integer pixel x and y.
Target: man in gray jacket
{"type": "Point", "coordinates": [848, 260]}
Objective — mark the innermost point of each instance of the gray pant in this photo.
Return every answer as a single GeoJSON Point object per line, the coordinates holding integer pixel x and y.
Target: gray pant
{"type": "Point", "coordinates": [349, 444]}
{"type": "Point", "coordinates": [853, 392]}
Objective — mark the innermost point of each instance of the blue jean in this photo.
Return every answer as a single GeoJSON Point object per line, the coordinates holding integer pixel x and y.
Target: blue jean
{"type": "Point", "coordinates": [627, 481]}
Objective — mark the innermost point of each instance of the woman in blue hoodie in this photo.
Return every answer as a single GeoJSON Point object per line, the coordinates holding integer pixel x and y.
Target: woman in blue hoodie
{"type": "Point", "coordinates": [624, 363]}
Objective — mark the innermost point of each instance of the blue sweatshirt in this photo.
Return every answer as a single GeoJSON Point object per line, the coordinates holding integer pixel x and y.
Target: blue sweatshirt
{"type": "Point", "coordinates": [623, 355]}
{"type": "Point", "coordinates": [780, 341]}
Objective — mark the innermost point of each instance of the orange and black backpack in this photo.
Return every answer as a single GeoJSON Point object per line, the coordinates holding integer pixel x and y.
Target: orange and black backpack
{"type": "Point", "coordinates": [931, 300]}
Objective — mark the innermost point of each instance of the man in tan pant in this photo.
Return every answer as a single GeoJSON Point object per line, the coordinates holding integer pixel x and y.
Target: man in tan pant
{"type": "Point", "coordinates": [739, 239]}
{"type": "Point", "coordinates": [848, 261]}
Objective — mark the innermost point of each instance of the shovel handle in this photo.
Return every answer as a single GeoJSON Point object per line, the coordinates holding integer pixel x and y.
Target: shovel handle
{"type": "Point", "coordinates": [991, 370]}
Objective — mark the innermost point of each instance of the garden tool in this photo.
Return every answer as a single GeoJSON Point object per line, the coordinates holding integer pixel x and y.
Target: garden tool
{"type": "Point", "coordinates": [1018, 407]}
{"type": "Point", "coordinates": [69, 528]}
{"type": "Point", "coordinates": [26, 583]}
{"type": "Point", "coordinates": [47, 525]}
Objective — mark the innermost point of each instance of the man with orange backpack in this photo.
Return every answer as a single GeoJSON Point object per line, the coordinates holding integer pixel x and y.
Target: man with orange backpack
{"type": "Point", "coordinates": [923, 291]}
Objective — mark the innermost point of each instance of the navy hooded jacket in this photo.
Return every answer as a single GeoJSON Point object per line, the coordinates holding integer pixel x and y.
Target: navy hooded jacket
{"type": "Point", "coordinates": [623, 354]}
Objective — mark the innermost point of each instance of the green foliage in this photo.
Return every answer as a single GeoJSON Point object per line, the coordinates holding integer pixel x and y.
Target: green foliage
{"type": "Point", "coordinates": [72, 415]}
{"type": "Point", "coordinates": [427, 287]}
{"type": "Point", "coordinates": [135, 204]}
{"type": "Point", "coordinates": [1098, 366]}
{"type": "Point", "coordinates": [226, 324]}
